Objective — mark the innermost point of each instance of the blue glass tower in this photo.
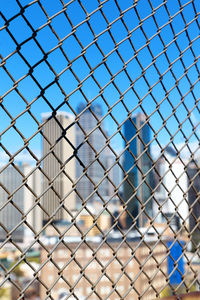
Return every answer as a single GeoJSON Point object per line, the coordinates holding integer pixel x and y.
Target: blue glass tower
{"type": "Point", "coordinates": [137, 163]}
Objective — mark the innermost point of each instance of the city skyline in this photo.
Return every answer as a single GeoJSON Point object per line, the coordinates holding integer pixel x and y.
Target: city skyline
{"type": "Point", "coordinates": [86, 155]}
{"type": "Point", "coordinates": [54, 97]}
{"type": "Point", "coordinates": [117, 145]}
{"type": "Point", "coordinates": [57, 126]}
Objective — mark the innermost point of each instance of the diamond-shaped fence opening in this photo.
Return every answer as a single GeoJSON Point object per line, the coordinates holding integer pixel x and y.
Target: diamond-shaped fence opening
{"type": "Point", "coordinates": [99, 149]}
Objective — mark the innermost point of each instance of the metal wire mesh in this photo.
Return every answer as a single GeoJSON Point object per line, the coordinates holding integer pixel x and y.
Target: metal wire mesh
{"type": "Point", "coordinates": [99, 149]}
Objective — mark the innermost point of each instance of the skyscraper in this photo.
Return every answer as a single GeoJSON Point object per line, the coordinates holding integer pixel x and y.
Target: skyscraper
{"type": "Point", "coordinates": [31, 209]}
{"type": "Point", "coordinates": [11, 203]}
{"type": "Point", "coordinates": [193, 172]}
{"type": "Point", "coordinates": [172, 189]}
{"type": "Point", "coordinates": [90, 167]}
{"type": "Point", "coordinates": [58, 164]}
{"type": "Point", "coordinates": [16, 202]}
{"type": "Point", "coordinates": [137, 163]}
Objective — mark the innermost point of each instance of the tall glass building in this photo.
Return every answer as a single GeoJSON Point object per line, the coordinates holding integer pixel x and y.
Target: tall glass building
{"type": "Point", "coordinates": [137, 163]}
{"type": "Point", "coordinates": [89, 141]}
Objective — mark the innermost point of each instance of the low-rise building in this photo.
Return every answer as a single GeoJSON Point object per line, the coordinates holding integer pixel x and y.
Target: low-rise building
{"type": "Point", "coordinates": [105, 270]}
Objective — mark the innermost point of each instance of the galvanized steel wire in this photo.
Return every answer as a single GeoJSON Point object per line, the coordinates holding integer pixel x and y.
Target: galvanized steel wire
{"type": "Point", "coordinates": [140, 41]}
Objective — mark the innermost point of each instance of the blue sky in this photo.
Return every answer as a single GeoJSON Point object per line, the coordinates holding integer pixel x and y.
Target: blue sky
{"type": "Point", "coordinates": [49, 46]}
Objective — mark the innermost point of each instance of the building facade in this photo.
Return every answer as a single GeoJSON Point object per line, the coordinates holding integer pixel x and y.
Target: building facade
{"type": "Point", "coordinates": [58, 165]}
{"type": "Point", "coordinates": [11, 203]}
{"type": "Point", "coordinates": [103, 277]}
{"type": "Point", "coordinates": [32, 196]}
{"type": "Point", "coordinates": [172, 189]}
{"type": "Point", "coordinates": [92, 162]}
{"type": "Point", "coordinates": [137, 163]}
{"type": "Point", "coordinates": [193, 172]}
{"type": "Point", "coordinates": [15, 203]}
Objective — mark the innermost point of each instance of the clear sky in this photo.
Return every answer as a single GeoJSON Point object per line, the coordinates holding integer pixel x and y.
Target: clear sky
{"type": "Point", "coordinates": [73, 68]}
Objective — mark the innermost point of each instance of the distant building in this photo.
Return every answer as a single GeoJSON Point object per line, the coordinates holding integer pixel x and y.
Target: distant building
{"type": "Point", "coordinates": [91, 164]}
{"type": "Point", "coordinates": [96, 260]}
{"type": "Point", "coordinates": [172, 189]}
{"type": "Point", "coordinates": [115, 172]}
{"type": "Point", "coordinates": [15, 203]}
{"type": "Point", "coordinates": [193, 172]}
{"type": "Point", "coordinates": [11, 203]}
{"type": "Point", "coordinates": [58, 165]}
{"type": "Point", "coordinates": [31, 208]}
{"type": "Point", "coordinates": [137, 163]}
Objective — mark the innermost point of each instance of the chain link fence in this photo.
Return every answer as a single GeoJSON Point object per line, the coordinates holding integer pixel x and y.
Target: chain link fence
{"type": "Point", "coordinates": [99, 149]}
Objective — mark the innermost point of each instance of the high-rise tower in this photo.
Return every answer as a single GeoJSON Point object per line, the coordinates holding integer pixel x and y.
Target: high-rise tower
{"type": "Point", "coordinates": [137, 163]}
{"type": "Point", "coordinates": [58, 164]}
{"type": "Point", "coordinates": [11, 207]}
{"type": "Point", "coordinates": [17, 200]}
{"type": "Point", "coordinates": [90, 168]}
{"type": "Point", "coordinates": [193, 174]}
{"type": "Point", "coordinates": [171, 193]}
